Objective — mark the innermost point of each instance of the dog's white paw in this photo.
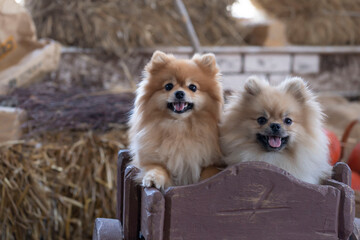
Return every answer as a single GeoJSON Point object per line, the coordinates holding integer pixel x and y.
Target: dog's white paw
{"type": "Point", "coordinates": [156, 178]}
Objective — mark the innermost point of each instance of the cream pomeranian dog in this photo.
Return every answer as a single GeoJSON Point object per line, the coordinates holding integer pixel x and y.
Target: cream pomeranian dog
{"type": "Point", "coordinates": [174, 125]}
{"type": "Point", "coordinates": [281, 125]}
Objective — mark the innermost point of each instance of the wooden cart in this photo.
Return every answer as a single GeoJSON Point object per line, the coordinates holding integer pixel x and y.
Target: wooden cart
{"type": "Point", "coordinates": [252, 200]}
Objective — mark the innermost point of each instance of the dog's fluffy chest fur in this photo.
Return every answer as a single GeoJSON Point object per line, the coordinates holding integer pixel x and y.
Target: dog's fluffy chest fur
{"type": "Point", "coordinates": [182, 147]}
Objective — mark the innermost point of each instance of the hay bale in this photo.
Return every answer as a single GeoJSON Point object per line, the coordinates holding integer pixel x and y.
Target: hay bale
{"type": "Point", "coordinates": [285, 9]}
{"type": "Point", "coordinates": [321, 22]}
{"type": "Point", "coordinates": [118, 26]}
{"type": "Point", "coordinates": [338, 73]}
{"type": "Point", "coordinates": [322, 31]}
{"type": "Point", "coordinates": [55, 186]}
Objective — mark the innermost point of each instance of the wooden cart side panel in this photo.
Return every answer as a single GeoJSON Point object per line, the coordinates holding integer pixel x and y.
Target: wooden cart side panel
{"type": "Point", "coordinates": [131, 204]}
{"type": "Point", "coordinates": [346, 210]}
{"type": "Point", "coordinates": [342, 173]}
{"type": "Point", "coordinates": [107, 229]}
{"type": "Point", "coordinates": [152, 214]}
{"type": "Point", "coordinates": [252, 201]}
{"type": "Point", "coordinates": [122, 162]}
{"type": "Point", "coordinates": [356, 233]}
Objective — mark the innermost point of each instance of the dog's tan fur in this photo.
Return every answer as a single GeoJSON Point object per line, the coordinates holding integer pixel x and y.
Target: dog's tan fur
{"type": "Point", "coordinates": [170, 148]}
{"type": "Point", "coordinates": [306, 154]}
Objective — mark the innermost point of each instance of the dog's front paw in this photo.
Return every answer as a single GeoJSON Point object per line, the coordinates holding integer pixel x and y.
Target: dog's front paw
{"type": "Point", "coordinates": [156, 177]}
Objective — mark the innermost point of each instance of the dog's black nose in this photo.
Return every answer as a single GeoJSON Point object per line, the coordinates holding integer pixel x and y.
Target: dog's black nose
{"type": "Point", "coordinates": [275, 127]}
{"type": "Point", "coordinates": [179, 94]}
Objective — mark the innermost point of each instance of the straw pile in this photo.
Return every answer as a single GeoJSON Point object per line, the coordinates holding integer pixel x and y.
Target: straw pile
{"type": "Point", "coordinates": [54, 184]}
{"type": "Point", "coordinates": [339, 73]}
{"type": "Point", "coordinates": [54, 187]}
{"type": "Point", "coordinates": [320, 22]}
{"type": "Point", "coordinates": [116, 26]}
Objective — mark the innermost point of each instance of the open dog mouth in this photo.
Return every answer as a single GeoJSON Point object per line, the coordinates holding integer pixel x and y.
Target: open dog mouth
{"type": "Point", "coordinates": [272, 143]}
{"type": "Point", "coordinates": [180, 107]}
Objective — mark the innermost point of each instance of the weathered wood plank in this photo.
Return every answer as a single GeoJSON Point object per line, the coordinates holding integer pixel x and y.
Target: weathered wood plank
{"type": "Point", "coordinates": [252, 201]}
{"type": "Point", "coordinates": [274, 63]}
{"type": "Point", "coordinates": [107, 229]}
{"type": "Point", "coordinates": [131, 204]}
{"type": "Point", "coordinates": [342, 173]}
{"type": "Point", "coordinates": [255, 49]}
{"type": "Point", "coordinates": [346, 210]}
{"type": "Point", "coordinates": [123, 161]}
{"type": "Point", "coordinates": [152, 214]}
{"type": "Point", "coordinates": [11, 120]}
{"type": "Point", "coordinates": [188, 24]}
{"type": "Point", "coordinates": [356, 233]}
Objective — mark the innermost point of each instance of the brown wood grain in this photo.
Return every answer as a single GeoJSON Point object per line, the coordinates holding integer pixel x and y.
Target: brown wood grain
{"type": "Point", "coordinates": [123, 160]}
{"type": "Point", "coordinates": [342, 173]}
{"type": "Point", "coordinates": [152, 213]}
{"type": "Point", "coordinates": [107, 229]}
{"type": "Point", "coordinates": [252, 201]}
{"type": "Point", "coordinates": [131, 204]}
{"type": "Point", "coordinates": [346, 208]}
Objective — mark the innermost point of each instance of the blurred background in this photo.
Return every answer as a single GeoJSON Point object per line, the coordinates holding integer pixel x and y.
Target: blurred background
{"type": "Point", "coordinates": [68, 71]}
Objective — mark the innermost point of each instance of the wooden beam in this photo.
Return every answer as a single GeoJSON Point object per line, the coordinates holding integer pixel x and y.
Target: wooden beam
{"type": "Point", "coordinates": [188, 24]}
{"type": "Point", "coordinates": [11, 120]}
{"type": "Point", "coordinates": [256, 49]}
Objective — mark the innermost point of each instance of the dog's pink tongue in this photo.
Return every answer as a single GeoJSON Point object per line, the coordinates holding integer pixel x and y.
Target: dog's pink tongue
{"type": "Point", "coordinates": [179, 106]}
{"type": "Point", "coordinates": [275, 142]}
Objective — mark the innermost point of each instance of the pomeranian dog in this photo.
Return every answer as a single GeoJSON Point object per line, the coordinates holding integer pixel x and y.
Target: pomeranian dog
{"type": "Point", "coordinates": [281, 125]}
{"type": "Point", "coordinates": [174, 131]}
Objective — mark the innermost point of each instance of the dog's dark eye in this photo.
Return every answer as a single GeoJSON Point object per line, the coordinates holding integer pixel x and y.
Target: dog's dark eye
{"type": "Point", "coordinates": [169, 86]}
{"type": "Point", "coordinates": [262, 120]}
{"type": "Point", "coordinates": [288, 121]}
{"type": "Point", "coordinates": [192, 87]}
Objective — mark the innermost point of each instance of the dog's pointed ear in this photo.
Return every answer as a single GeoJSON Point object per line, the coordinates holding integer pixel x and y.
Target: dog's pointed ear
{"type": "Point", "coordinates": [206, 62]}
{"type": "Point", "coordinates": [254, 84]}
{"type": "Point", "coordinates": [297, 87]}
{"type": "Point", "coordinates": [158, 59]}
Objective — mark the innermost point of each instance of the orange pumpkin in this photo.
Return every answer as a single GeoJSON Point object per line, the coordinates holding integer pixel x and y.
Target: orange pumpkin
{"type": "Point", "coordinates": [355, 181]}
{"type": "Point", "coordinates": [334, 147]}
{"type": "Point", "coordinates": [354, 159]}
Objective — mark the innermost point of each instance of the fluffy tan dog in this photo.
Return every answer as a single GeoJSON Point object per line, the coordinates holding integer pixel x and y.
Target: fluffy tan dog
{"type": "Point", "coordinates": [174, 126]}
{"type": "Point", "coordinates": [281, 125]}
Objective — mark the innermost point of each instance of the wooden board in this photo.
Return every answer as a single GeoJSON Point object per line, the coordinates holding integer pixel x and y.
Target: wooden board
{"type": "Point", "coordinates": [11, 120]}
{"type": "Point", "coordinates": [131, 204]}
{"type": "Point", "coordinates": [152, 213]}
{"type": "Point", "coordinates": [252, 201]}
{"type": "Point", "coordinates": [122, 162]}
